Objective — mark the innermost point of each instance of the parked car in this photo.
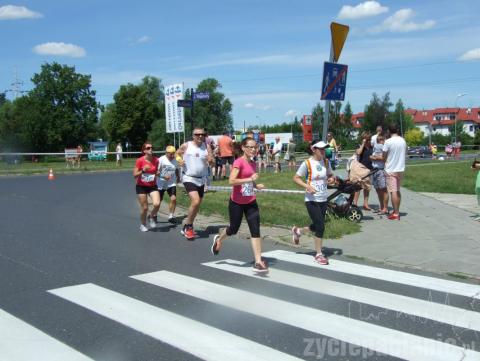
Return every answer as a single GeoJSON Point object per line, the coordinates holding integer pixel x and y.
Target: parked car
{"type": "Point", "coordinates": [421, 151]}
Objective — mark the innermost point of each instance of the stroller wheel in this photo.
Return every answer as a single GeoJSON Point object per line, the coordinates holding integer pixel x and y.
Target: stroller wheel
{"type": "Point", "coordinates": [354, 215]}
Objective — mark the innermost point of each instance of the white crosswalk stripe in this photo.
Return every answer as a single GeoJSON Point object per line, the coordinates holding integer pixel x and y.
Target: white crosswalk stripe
{"type": "Point", "coordinates": [212, 342]}
{"type": "Point", "coordinates": [442, 313]}
{"type": "Point", "coordinates": [21, 342]}
{"type": "Point", "coordinates": [381, 339]}
{"type": "Point", "coordinates": [189, 335]}
{"type": "Point", "coordinates": [410, 279]}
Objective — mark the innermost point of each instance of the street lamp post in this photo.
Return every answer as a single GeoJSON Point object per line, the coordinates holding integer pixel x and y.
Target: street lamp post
{"type": "Point", "coordinates": [456, 99]}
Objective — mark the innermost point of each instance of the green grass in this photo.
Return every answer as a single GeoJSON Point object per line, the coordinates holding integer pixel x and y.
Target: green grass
{"type": "Point", "coordinates": [440, 177]}
{"type": "Point", "coordinates": [59, 166]}
{"type": "Point", "coordinates": [275, 209]}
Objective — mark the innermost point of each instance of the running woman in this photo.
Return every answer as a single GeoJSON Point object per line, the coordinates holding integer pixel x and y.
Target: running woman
{"type": "Point", "coordinates": [167, 180]}
{"type": "Point", "coordinates": [197, 158]}
{"type": "Point", "coordinates": [313, 175]}
{"type": "Point", "coordinates": [145, 171]}
{"type": "Point", "coordinates": [243, 201]}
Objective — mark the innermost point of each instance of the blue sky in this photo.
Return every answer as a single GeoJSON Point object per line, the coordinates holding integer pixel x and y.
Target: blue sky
{"type": "Point", "coordinates": [268, 55]}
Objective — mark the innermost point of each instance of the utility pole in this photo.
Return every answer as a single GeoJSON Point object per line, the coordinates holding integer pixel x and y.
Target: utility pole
{"type": "Point", "coordinates": [16, 86]}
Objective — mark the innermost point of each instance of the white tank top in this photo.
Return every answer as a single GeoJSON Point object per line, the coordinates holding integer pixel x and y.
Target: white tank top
{"type": "Point", "coordinates": [195, 164]}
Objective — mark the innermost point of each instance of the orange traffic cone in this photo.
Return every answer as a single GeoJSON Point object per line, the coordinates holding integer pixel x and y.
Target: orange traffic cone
{"type": "Point", "coordinates": [51, 176]}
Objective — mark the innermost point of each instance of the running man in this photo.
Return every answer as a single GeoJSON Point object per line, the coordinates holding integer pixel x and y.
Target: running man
{"type": "Point", "coordinates": [197, 157]}
{"type": "Point", "coordinates": [145, 171]}
{"type": "Point", "coordinates": [167, 180]}
{"type": "Point", "coordinates": [313, 175]}
{"type": "Point", "coordinates": [243, 201]}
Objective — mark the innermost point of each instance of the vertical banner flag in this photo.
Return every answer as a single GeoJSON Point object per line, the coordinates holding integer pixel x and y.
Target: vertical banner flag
{"type": "Point", "coordinates": [174, 116]}
{"type": "Point", "coordinates": [307, 128]}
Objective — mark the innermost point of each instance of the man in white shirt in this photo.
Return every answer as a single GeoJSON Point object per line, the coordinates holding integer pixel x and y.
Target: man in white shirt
{"type": "Point", "coordinates": [394, 151]}
{"type": "Point", "coordinates": [276, 153]}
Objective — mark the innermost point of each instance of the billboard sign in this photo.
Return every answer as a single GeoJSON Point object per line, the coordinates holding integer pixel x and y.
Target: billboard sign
{"type": "Point", "coordinates": [174, 115]}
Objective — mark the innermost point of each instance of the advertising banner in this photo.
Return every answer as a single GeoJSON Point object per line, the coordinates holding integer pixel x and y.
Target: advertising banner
{"type": "Point", "coordinates": [174, 115]}
{"type": "Point", "coordinates": [307, 128]}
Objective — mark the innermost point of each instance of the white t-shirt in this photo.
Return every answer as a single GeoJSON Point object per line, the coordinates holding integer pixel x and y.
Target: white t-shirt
{"type": "Point", "coordinates": [119, 151]}
{"type": "Point", "coordinates": [373, 140]}
{"type": "Point", "coordinates": [316, 175]}
{"type": "Point", "coordinates": [378, 150]}
{"type": "Point", "coordinates": [195, 165]}
{"type": "Point", "coordinates": [277, 149]}
{"type": "Point", "coordinates": [396, 149]}
{"type": "Point", "coordinates": [167, 167]}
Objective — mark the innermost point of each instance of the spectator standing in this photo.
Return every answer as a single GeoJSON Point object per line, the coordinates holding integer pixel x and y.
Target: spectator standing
{"type": "Point", "coordinates": [379, 180]}
{"type": "Point", "coordinates": [262, 156]}
{"type": "Point", "coordinates": [119, 154]}
{"type": "Point", "coordinates": [456, 149]}
{"type": "Point", "coordinates": [79, 155]}
{"type": "Point", "coordinates": [476, 167]}
{"type": "Point", "coordinates": [197, 158]}
{"type": "Point", "coordinates": [378, 131]}
{"type": "Point", "coordinates": [225, 145]}
{"type": "Point", "coordinates": [434, 151]}
{"type": "Point", "coordinates": [394, 152]}
{"type": "Point", "coordinates": [276, 154]}
{"type": "Point", "coordinates": [290, 155]}
{"type": "Point", "coordinates": [364, 152]}
{"type": "Point", "coordinates": [332, 150]}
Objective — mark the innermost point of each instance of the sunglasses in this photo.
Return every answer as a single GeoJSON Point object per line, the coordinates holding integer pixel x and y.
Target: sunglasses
{"type": "Point", "coordinates": [250, 146]}
{"type": "Point", "coordinates": [148, 148]}
{"type": "Point", "coordinates": [199, 134]}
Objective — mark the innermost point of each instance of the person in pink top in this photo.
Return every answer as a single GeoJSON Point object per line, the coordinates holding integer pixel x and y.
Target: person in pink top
{"type": "Point", "coordinates": [243, 201]}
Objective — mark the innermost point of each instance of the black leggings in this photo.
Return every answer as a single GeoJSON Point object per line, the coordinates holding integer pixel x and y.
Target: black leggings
{"type": "Point", "coordinates": [316, 211]}
{"type": "Point", "coordinates": [252, 214]}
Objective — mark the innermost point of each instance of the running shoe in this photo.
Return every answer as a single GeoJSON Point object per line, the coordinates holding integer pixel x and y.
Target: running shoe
{"type": "Point", "coordinates": [188, 233]}
{"type": "Point", "coordinates": [214, 248]}
{"type": "Point", "coordinates": [262, 267]}
{"type": "Point", "coordinates": [321, 259]}
{"type": "Point", "coordinates": [151, 222]}
{"type": "Point", "coordinates": [296, 234]}
{"type": "Point", "coordinates": [143, 228]}
{"type": "Point", "coordinates": [172, 220]}
{"type": "Point", "coordinates": [394, 217]}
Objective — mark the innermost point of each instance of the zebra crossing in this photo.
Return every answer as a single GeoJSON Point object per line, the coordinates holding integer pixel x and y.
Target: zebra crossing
{"type": "Point", "coordinates": [334, 335]}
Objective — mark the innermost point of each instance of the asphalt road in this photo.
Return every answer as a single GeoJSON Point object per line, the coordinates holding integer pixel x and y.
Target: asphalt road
{"type": "Point", "coordinates": [69, 249]}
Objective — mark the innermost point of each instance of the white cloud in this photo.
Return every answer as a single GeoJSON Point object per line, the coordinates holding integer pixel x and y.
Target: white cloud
{"type": "Point", "coordinates": [12, 12]}
{"type": "Point", "coordinates": [400, 22]}
{"type": "Point", "coordinates": [144, 39]}
{"type": "Point", "coordinates": [291, 113]}
{"type": "Point", "coordinates": [362, 10]}
{"type": "Point", "coordinates": [60, 49]}
{"type": "Point", "coordinates": [259, 107]}
{"type": "Point", "coordinates": [473, 54]}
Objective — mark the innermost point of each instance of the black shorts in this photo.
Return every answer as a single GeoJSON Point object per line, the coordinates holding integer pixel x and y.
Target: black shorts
{"type": "Point", "coordinates": [192, 187]}
{"type": "Point", "coordinates": [171, 191]}
{"type": "Point", "coordinates": [317, 211]}
{"type": "Point", "coordinates": [228, 160]}
{"type": "Point", "coordinates": [145, 189]}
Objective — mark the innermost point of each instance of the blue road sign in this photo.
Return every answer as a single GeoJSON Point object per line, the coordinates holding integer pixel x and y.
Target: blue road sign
{"type": "Point", "coordinates": [201, 96]}
{"type": "Point", "coordinates": [334, 81]}
{"type": "Point", "coordinates": [184, 103]}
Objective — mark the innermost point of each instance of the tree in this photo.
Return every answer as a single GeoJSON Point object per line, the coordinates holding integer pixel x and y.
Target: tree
{"type": "Point", "coordinates": [59, 111]}
{"type": "Point", "coordinates": [3, 98]}
{"type": "Point", "coordinates": [377, 113]}
{"type": "Point", "coordinates": [402, 119]}
{"type": "Point", "coordinates": [414, 137]}
{"type": "Point", "coordinates": [133, 113]}
{"type": "Point", "coordinates": [214, 113]}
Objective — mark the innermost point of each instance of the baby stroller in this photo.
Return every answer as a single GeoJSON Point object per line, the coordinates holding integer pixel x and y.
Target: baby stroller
{"type": "Point", "coordinates": [341, 206]}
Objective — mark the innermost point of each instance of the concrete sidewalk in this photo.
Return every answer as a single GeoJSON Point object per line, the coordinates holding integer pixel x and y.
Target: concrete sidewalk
{"type": "Point", "coordinates": [436, 233]}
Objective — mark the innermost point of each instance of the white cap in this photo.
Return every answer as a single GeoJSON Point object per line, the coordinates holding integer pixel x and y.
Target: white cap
{"type": "Point", "coordinates": [321, 144]}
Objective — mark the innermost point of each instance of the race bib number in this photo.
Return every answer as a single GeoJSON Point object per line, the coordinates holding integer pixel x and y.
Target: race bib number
{"type": "Point", "coordinates": [247, 189]}
{"type": "Point", "coordinates": [319, 186]}
{"type": "Point", "coordinates": [148, 178]}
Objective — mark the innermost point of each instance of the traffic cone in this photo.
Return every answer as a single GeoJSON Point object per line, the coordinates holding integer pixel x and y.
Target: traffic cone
{"type": "Point", "coordinates": [51, 176]}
